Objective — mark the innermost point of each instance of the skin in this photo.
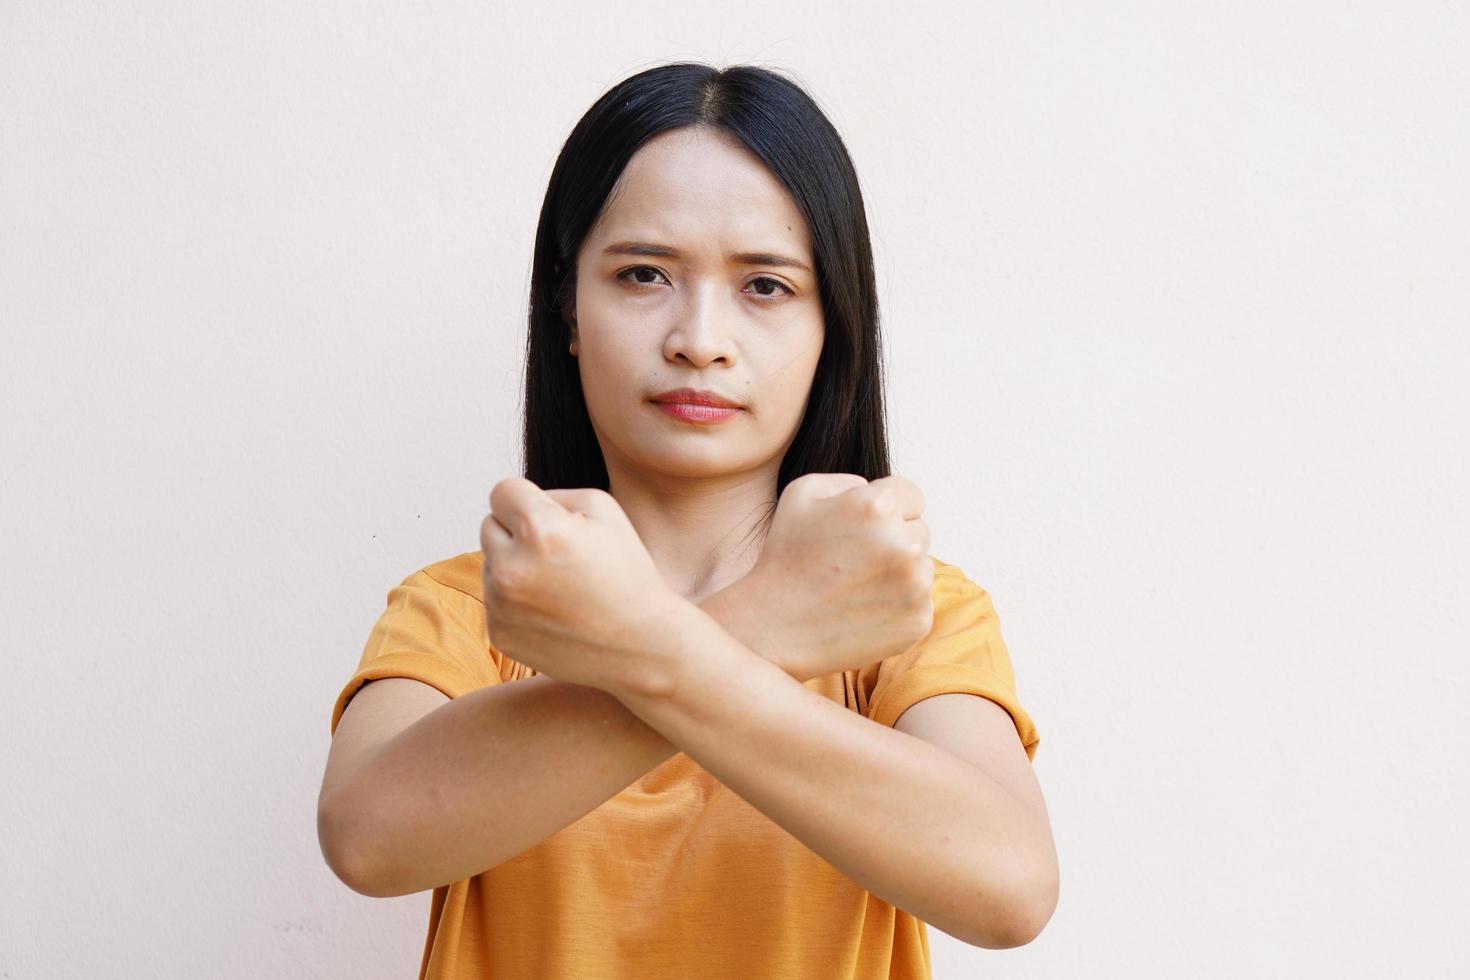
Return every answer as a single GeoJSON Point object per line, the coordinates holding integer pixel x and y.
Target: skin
{"type": "Point", "coordinates": [696, 494]}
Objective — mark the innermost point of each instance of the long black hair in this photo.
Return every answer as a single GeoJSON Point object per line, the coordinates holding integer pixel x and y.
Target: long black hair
{"type": "Point", "coordinates": [844, 428]}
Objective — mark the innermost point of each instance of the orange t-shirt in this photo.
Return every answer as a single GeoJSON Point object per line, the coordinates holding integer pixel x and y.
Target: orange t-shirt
{"type": "Point", "coordinates": [675, 876]}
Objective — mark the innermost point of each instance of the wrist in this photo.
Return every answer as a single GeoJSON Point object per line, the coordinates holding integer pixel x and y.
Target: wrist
{"type": "Point", "coordinates": [740, 608]}
{"type": "Point", "coordinates": [665, 635]}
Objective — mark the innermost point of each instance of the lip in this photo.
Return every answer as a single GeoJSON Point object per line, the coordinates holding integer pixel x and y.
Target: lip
{"type": "Point", "coordinates": [691, 412]}
{"type": "Point", "coordinates": [695, 396]}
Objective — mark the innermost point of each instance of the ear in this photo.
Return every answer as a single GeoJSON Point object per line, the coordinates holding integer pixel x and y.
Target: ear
{"type": "Point", "coordinates": [565, 300]}
{"type": "Point", "coordinates": [570, 319]}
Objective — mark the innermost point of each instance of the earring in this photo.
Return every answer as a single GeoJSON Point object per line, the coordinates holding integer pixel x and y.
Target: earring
{"type": "Point", "coordinates": [572, 348]}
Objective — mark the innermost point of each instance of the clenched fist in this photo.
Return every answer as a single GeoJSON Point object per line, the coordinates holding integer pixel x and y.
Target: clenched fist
{"type": "Point", "coordinates": [569, 588]}
{"type": "Point", "coordinates": [844, 578]}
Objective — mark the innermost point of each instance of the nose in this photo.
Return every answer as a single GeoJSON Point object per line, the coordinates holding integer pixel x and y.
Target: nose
{"type": "Point", "coordinates": [703, 328]}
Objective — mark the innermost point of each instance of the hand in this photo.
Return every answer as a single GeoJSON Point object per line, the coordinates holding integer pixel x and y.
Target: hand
{"type": "Point", "coordinates": [844, 578]}
{"type": "Point", "coordinates": [569, 588]}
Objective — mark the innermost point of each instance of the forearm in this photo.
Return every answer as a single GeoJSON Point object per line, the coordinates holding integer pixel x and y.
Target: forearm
{"type": "Point", "coordinates": [490, 774]}
{"type": "Point", "coordinates": [910, 822]}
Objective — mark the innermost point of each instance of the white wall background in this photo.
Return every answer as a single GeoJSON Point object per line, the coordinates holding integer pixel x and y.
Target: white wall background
{"type": "Point", "coordinates": [1176, 309]}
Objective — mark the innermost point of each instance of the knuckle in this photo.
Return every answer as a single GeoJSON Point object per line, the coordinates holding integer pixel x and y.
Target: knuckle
{"type": "Point", "coordinates": [903, 553]}
{"type": "Point", "coordinates": [919, 590]}
{"type": "Point", "coordinates": [500, 487]}
{"type": "Point", "coordinates": [877, 506]}
{"type": "Point", "coordinates": [553, 538]}
{"type": "Point", "coordinates": [508, 579]}
{"type": "Point", "coordinates": [543, 532]}
{"type": "Point", "coordinates": [800, 488]}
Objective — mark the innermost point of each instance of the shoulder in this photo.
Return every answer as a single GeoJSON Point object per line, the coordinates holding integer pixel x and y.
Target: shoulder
{"type": "Point", "coordinates": [952, 580]}
{"type": "Point", "coordinates": [451, 584]}
{"type": "Point", "coordinates": [461, 574]}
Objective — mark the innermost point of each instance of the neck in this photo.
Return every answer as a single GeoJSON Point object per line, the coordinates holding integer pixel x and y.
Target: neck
{"type": "Point", "coordinates": [702, 533]}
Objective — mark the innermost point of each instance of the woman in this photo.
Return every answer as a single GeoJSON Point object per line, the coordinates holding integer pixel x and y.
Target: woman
{"type": "Point", "coordinates": [755, 729]}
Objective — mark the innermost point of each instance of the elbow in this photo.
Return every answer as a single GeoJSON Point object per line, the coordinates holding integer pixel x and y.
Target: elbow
{"type": "Point", "coordinates": [1035, 892]}
{"type": "Point", "coordinates": [360, 851]}
{"type": "Point", "coordinates": [1023, 927]}
{"type": "Point", "coordinates": [1020, 926]}
{"type": "Point", "coordinates": [1031, 910]}
{"type": "Point", "coordinates": [1020, 919]}
{"type": "Point", "coordinates": [338, 834]}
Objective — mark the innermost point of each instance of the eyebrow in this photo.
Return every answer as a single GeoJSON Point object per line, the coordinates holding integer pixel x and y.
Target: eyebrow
{"type": "Point", "coordinates": [744, 258]}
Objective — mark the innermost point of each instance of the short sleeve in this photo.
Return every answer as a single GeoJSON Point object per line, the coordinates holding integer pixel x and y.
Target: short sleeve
{"type": "Point", "coordinates": [963, 652]}
{"type": "Point", "coordinates": [429, 632]}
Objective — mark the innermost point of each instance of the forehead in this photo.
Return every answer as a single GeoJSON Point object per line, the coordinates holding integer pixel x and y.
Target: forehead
{"type": "Point", "coordinates": [698, 188]}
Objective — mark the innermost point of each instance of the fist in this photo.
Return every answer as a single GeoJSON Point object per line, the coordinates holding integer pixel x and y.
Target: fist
{"type": "Point", "coordinates": [568, 587]}
{"type": "Point", "coordinates": [844, 576]}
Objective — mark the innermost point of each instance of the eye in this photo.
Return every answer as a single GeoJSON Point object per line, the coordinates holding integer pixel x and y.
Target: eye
{"type": "Point", "coordinates": [774, 282]}
{"type": "Point", "coordinates": [626, 273]}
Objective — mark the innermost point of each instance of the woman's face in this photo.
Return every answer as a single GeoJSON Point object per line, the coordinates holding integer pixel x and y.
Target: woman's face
{"type": "Point", "coordinates": [730, 304]}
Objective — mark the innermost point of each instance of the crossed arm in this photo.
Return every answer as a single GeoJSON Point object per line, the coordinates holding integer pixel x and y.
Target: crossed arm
{"type": "Point", "coordinates": [926, 829]}
{"type": "Point", "coordinates": [949, 825]}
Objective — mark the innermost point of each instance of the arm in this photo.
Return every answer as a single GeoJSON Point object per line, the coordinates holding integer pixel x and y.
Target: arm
{"type": "Point", "coordinates": [477, 780]}
{"type": "Point", "coordinates": [920, 828]}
